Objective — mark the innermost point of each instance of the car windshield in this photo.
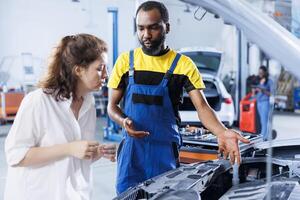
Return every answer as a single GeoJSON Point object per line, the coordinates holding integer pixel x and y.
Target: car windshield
{"type": "Point", "coordinates": [205, 60]}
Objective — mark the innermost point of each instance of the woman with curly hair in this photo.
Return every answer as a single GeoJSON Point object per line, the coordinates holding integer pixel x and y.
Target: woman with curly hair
{"type": "Point", "coordinates": [51, 144]}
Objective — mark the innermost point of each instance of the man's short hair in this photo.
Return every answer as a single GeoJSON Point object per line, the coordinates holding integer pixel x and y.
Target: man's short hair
{"type": "Point", "coordinates": [150, 5]}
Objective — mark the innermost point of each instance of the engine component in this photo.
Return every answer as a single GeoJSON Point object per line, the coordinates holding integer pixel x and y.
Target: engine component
{"type": "Point", "coordinates": [184, 180]}
{"type": "Point", "coordinates": [282, 190]}
{"type": "Point", "coordinates": [202, 147]}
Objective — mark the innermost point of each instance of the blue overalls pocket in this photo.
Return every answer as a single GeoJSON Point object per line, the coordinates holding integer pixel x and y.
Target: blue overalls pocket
{"type": "Point", "coordinates": [147, 99]}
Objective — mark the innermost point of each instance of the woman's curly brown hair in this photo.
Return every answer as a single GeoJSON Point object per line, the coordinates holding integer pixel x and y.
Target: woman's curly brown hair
{"type": "Point", "coordinates": [76, 50]}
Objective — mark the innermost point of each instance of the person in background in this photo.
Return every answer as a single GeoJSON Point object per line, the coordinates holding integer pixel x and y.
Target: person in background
{"type": "Point", "coordinates": [262, 92]}
{"type": "Point", "coordinates": [51, 144]}
{"type": "Point", "coordinates": [151, 79]}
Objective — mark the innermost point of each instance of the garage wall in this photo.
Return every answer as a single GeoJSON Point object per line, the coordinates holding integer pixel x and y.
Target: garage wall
{"type": "Point", "coordinates": [36, 26]}
{"type": "Point", "coordinates": [296, 18]}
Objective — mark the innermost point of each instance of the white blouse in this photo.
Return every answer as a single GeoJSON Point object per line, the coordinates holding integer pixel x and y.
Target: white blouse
{"type": "Point", "coordinates": [40, 122]}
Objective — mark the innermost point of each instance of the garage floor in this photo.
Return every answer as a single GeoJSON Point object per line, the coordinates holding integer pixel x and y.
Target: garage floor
{"type": "Point", "coordinates": [286, 125]}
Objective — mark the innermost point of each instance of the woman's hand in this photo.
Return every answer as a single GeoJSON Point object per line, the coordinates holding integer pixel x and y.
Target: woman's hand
{"type": "Point", "coordinates": [83, 149]}
{"type": "Point", "coordinates": [107, 151]}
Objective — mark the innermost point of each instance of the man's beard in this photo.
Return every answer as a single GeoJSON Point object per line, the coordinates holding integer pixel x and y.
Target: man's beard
{"type": "Point", "coordinates": [155, 48]}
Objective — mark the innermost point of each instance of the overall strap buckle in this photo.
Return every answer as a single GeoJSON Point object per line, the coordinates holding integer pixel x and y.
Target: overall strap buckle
{"type": "Point", "coordinates": [131, 66]}
{"type": "Point", "coordinates": [171, 70]}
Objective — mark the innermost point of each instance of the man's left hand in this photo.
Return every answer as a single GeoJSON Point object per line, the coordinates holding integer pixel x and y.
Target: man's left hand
{"type": "Point", "coordinates": [228, 145]}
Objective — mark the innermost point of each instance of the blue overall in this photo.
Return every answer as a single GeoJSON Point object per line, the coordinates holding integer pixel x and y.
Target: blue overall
{"type": "Point", "coordinates": [263, 108]}
{"type": "Point", "coordinates": [150, 109]}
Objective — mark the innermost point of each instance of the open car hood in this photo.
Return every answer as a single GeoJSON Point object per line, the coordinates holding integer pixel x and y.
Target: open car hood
{"type": "Point", "coordinates": [271, 37]}
{"type": "Point", "coordinates": [278, 143]}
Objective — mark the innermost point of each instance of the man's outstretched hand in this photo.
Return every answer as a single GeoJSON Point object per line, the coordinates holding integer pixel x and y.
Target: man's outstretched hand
{"type": "Point", "coordinates": [128, 125]}
{"type": "Point", "coordinates": [228, 145]}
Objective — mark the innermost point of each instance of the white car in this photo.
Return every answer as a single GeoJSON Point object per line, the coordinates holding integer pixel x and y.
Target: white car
{"type": "Point", "coordinates": [209, 62]}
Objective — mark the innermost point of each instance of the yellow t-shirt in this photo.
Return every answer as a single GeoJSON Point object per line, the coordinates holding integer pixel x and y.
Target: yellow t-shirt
{"type": "Point", "coordinates": [150, 70]}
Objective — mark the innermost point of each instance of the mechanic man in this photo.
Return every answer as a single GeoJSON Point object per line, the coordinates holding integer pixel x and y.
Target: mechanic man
{"type": "Point", "coordinates": [151, 80]}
